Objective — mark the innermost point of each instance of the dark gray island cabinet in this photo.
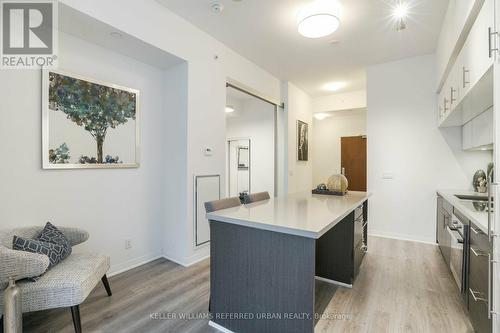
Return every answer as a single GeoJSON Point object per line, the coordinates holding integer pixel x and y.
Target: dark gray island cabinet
{"type": "Point", "coordinates": [266, 256]}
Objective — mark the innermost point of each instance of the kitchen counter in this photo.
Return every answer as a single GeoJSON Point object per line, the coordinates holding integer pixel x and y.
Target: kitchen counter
{"type": "Point", "coordinates": [480, 219]}
{"type": "Point", "coordinates": [301, 214]}
{"type": "Point", "coordinates": [266, 256]}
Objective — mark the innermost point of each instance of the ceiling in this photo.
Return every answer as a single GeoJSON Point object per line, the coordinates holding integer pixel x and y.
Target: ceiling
{"type": "Point", "coordinates": [265, 32]}
{"type": "Point", "coordinates": [87, 28]}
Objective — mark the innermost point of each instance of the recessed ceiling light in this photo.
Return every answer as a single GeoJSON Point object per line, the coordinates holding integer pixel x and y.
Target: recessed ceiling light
{"type": "Point", "coordinates": [334, 86]}
{"type": "Point", "coordinates": [321, 115]}
{"type": "Point", "coordinates": [319, 18]}
{"type": "Point", "coordinates": [401, 10]}
{"type": "Point", "coordinates": [229, 109]}
{"type": "Point", "coordinates": [116, 35]}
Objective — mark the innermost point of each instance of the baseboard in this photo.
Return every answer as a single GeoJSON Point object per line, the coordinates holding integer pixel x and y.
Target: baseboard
{"type": "Point", "coordinates": [337, 283]}
{"type": "Point", "coordinates": [399, 237]}
{"type": "Point", "coordinates": [136, 262]}
{"type": "Point", "coordinates": [177, 261]}
{"type": "Point", "coordinates": [219, 327]}
{"type": "Point", "coordinates": [197, 260]}
{"type": "Point", "coordinates": [131, 264]}
{"type": "Point", "coordinates": [188, 262]}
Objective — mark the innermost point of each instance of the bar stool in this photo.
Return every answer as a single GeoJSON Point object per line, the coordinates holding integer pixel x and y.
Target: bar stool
{"type": "Point", "coordinates": [213, 206]}
{"type": "Point", "coordinates": [256, 197]}
{"type": "Point", "coordinates": [216, 205]}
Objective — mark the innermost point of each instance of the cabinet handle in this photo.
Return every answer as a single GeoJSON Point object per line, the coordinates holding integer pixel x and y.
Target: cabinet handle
{"type": "Point", "coordinates": [491, 33]}
{"type": "Point", "coordinates": [489, 286]}
{"type": "Point", "coordinates": [490, 203]}
{"type": "Point", "coordinates": [491, 311]}
{"type": "Point", "coordinates": [476, 299]}
{"type": "Point", "coordinates": [476, 231]}
{"type": "Point", "coordinates": [464, 73]}
{"type": "Point", "coordinates": [453, 91]}
{"type": "Point", "coordinates": [445, 104]}
{"type": "Point", "coordinates": [478, 253]}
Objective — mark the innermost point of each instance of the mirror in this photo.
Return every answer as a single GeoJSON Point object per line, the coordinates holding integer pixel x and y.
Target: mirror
{"type": "Point", "coordinates": [239, 167]}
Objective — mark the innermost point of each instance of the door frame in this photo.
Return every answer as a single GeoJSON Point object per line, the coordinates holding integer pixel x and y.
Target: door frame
{"type": "Point", "coordinates": [230, 83]}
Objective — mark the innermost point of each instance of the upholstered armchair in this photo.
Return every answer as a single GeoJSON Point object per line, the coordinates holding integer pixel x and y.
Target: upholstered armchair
{"type": "Point", "coordinates": [65, 285]}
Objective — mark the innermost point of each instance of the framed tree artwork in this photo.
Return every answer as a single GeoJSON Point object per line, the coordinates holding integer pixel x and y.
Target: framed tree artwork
{"type": "Point", "coordinates": [88, 123]}
{"type": "Point", "coordinates": [302, 141]}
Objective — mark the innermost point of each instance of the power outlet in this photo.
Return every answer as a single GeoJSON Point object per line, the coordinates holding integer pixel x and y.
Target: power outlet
{"type": "Point", "coordinates": [128, 244]}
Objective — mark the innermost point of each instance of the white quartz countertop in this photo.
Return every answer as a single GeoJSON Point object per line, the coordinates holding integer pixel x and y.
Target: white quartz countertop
{"type": "Point", "coordinates": [302, 214]}
{"type": "Point", "coordinates": [480, 219]}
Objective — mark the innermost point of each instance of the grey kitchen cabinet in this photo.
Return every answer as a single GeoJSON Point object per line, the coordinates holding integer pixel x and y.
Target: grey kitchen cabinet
{"type": "Point", "coordinates": [479, 283]}
{"type": "Point", "coordinates": [439, 219]}
{"type": "Point", "coordinates": [348, 236]}
{"type": "Point", "coordinates": [478, 252]}
{"type": "Point", "coordinates": [444, 212]}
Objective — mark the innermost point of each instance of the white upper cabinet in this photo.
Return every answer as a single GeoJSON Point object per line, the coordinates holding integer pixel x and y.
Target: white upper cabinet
{"type": "Point", "coordinates": [456, 25]}
{"type": "Point", "coordinates": [476, 56]}
{"type": "Point", "coordinates": [467, 140]}
{"type": "Point", "coordinates": [482, 129]}
{"type": "Point", "coordinates": [478, 133]}
{"type": "Point", "coordinates": [471, 65]}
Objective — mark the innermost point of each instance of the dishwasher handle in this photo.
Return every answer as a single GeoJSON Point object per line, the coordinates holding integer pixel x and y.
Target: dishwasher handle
{"type": "Point", "coordinates": [455, 236]}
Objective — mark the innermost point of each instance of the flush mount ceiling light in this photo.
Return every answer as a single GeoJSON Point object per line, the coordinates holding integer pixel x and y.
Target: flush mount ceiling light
{"type": "Point", "coordinates": [334, 86]}
{"type": "Point", "coordinates": [229, 109]}
{"type": "Point", "coordinates": [319, 18]}
{"type": "Point", "coordinates": [321, 115]}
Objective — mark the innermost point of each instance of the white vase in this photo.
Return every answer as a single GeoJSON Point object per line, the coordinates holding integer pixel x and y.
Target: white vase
{"type": "Point", "coordinates": [13, 315]}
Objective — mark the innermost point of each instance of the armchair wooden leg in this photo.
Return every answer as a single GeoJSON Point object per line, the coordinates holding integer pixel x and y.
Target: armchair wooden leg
{"type": "Point", "coordinates": [106, 285]}
{"type": "Point", "coordinates": [75, 313]}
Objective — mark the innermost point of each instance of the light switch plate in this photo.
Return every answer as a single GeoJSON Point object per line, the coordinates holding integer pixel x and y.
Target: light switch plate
{"type": "Point", "coordinates": [387, 175]}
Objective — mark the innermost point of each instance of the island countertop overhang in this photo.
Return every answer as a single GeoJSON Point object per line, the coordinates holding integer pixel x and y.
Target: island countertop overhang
{"type": "Point", "coordinates": [301, 214]}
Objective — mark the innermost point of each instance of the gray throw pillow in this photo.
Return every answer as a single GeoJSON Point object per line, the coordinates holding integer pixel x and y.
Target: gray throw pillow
{"type": "Point", "coordinates": [55, 252]}
{"type": "Point", "coordinates": [51, 234]}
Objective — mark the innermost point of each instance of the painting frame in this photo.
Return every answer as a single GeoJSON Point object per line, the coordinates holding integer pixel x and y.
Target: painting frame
{"type": "Point", "coordinates": [46, 165]}
{"type": "Point", "coordinates": [302, 148]}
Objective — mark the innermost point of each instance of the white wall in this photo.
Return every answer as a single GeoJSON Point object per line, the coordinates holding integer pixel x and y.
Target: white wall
{"type": "Point", "coordinates": [326, 141]}
{"type": "Point", "coordinates": [344, 101]}
{"type": "Point", "coordinates": [403, 139]}
{"type": "Point", "coordinates": [209, 63]}
{"type": "Point", "coordinates": [254, 119]}
{"type": "Point", "coordinates": [113, 204]}
{"type": "Point", "coordinates": [298, 106]}
{"type": "Point", "coordinates": [173, 180]}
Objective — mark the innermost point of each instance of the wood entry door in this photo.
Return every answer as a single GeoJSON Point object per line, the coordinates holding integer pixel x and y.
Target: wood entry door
{"type": "Point", "coordinates": [353, 161]}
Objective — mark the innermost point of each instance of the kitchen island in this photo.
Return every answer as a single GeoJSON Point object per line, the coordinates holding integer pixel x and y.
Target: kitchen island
{"type": "Point", "coordinates": [265, 257]}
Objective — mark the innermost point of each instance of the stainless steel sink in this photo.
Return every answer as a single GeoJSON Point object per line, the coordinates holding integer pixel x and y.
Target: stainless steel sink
{"type": "Point", "coordinates": [472, 197]}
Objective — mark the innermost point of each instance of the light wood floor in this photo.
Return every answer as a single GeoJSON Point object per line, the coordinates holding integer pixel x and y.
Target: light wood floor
{"type": "Point", "coordinates": [402, 287]}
